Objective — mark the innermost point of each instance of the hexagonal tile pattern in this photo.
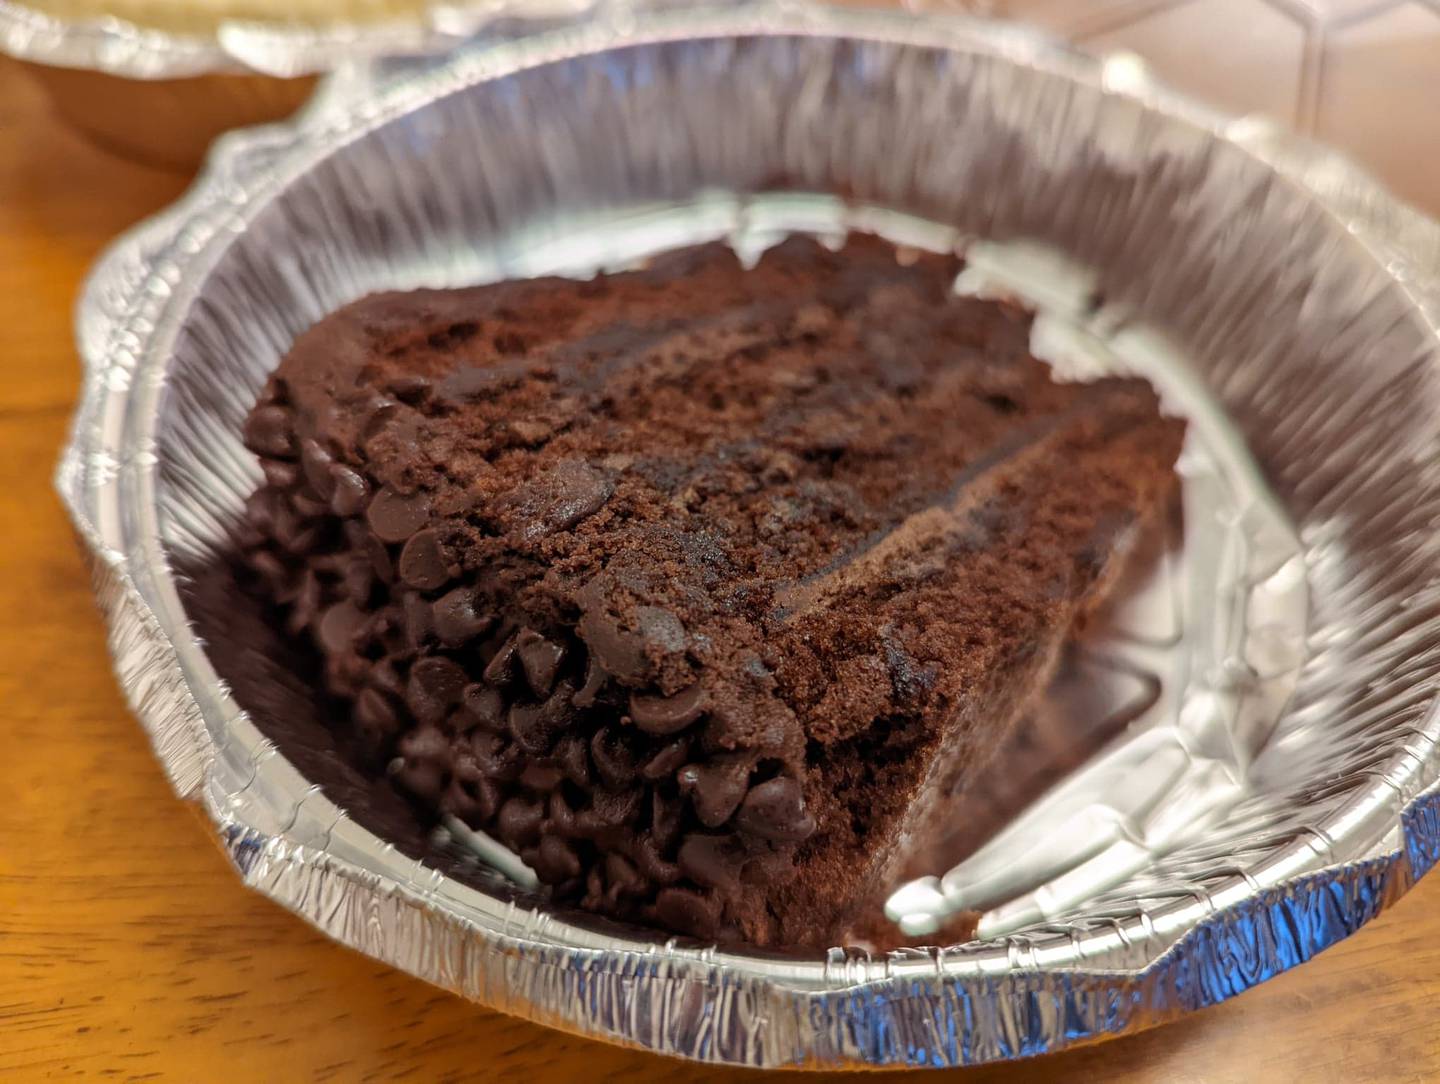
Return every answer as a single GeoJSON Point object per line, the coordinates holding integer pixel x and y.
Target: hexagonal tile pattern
{"type": "Point", "coordinates": [1379, 85]}
{"type": "Point", "coordinates": [1073, 18]}
{"type": "Point", "coordinates": [1242, 55]}
{"type": "Point", "coordinates": [1360, 74]}
{"type": "Point", "coordinates": [1331, 11]}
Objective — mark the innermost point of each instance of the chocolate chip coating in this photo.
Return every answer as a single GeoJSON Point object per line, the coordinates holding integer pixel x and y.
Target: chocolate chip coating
{"type": "Point", "coordinates": [485, 706]}
{"type": "Point", "coordinates": [436, 684]}
{"type": "Point", "coordinates": [351, 491]}
{"type": "Point", "coordinates": [423, 563]}
{"type": "Point", "coordinates": [688, 911]}
{"type": "Point", "coordinates": [500, 669]}
{"type": "Point", "coordinates": [560, 498]}
{"type": "Point", "coordinates": [713, 861]}
{"type": "Point", "coordinates": [775, 810]}
{"type": "Point", "coordinates": [394, 517]}
{"type": "Point", "coordinates": [519, 821]}
{"type": "Point", "coordinates": [535, 727]}
{"type": "Point", "coordinates": [317, 462]}
{"type": "Point", "coordinates": [458, 617]}
{"type": "Point", "coordinates": [280, 474]}
{"type": "Point", "coordinates": [664, 715]}
{"type": "Point", "coordinates": [715, 788]}
{"type": "Point", "coordinates": [270, 430]}
{"type": "Point", "coordinates": [539, 659]}
{"type": "Point", "coordinates": [339, 626]}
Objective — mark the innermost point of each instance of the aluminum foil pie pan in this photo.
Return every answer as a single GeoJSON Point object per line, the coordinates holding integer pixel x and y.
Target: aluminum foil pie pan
{"type": "Point", "coordinates": [1263, 283]}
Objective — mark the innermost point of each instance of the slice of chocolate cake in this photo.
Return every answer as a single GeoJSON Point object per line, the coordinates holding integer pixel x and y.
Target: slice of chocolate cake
{"type": "Point", "coordinates": [702, 588]}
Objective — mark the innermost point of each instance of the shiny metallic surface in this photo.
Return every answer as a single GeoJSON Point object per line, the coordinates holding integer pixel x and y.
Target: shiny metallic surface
{"type": "Point", "coordinates": [1298, 296]}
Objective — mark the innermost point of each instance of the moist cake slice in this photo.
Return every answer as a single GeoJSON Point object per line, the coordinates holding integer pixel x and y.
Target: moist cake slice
{"type": "Point", "coordinates": [703, 588]}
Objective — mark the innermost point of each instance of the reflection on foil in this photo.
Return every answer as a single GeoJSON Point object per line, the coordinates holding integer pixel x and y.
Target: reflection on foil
{"type": "Point", "coordinates": [1179, 681]}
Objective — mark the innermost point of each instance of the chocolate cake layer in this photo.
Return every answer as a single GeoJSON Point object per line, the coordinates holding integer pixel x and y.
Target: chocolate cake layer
{"type": "Point", "coordinates": [702, 588]}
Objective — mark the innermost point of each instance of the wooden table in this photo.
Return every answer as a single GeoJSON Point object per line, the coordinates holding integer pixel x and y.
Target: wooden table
{"type": "Point", "coordinates": [130, 951]}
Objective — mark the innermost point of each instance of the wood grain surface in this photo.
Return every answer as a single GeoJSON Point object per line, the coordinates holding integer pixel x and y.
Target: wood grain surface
{"type": "Point", "coordinates": [130, 951]}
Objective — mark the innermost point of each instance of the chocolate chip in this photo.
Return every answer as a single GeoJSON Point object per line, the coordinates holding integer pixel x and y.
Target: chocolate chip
{"type": "Point", "coordinates": [457, 617]}
{"type": "Point", "coordinates": [423, 779]}
{"type": "Point", "coordinates": [485, 706]}
{"type": "Point", "coordinates": [386, 678]}
{"type": "Point", "coordinates": [374, 715]}
{"type": "Point", "coordinates": [425, 743]}
{"type": "Point", "coordinates": [500, 668]}
{"type": "Point", "coordinates": [260, 511]}
{"type": "Point", "coordinates": [420, 768]}
{"type": "Point", "coordinates": [668, 760]}
{"type": "Point", "coordinates": [665, 817]}
{"type": "Point", "coordinates": [280, 474]}
{"type": "Point", "coordinates": [435, 685]}
{"type": "Point", "coordinates": [540, 659]}
{"type": "Point", "coordinates": [594, 683]}
{"type": "Point", "coordinates": [408, 387]}
{"type": "Point", "coordinates": [560, 498]}
{"type": "Point", "coordinates": [419, 620]}
{"type": "Point", "coordinates": [519, 821]}
{"type": "Point", "coordinates": [270, 431]}
{"type": "Point", "coordinates": [775, 810]}
{"type": "Point", "coordinates": [473, 801]}
{"type": "Point", "coordinates": [273, 570]}
{"type": "Point", "coordinates": [595, 897]}
{"type": "Point", "coordinates": [536, 726]}
{"type": "Point", "coordinates": [306, 605]}
{"type": "Point", "coordinates": [345, 674]}
{"type": "Point", "coordinates": [614, 760]}
{"type": "Point", "coordinates": [713, 861]}
{"type": "Point", "coordinates": [687, 911]}
{"type": "Point", "coordinates": [294, 533]}
{"type": "Point", "coordinates": [541, 777]}
{"type": "Point", "coordinates": [394, 517]}
{"type": "Point", "coordinates": [380, 560]}
{"type": "Point", "coordinates": [651, 865]}
{"type": "Point", "coordinates": [316, 462]}
{"type": "Point", "coordinates": [616, 650]}
{"type": "Point", "coordinates": [573, 756]}
{"type": "Point", "coordinates": [715, 788]}
{"type": "Point", "coordinates": [496, 757]}
{"type": "Point", "coordinates": [557, 861]}
{"type": "Point", "coordinates": [667, 714]}
{"type": "Point", "coordinates": [374, 416]}
{"type": "Point", "coordinates": [339, 626]}
{"type": "Point", "coordinates": [308, 507]}
{"type": "Point", "coordinates": [358, 579]}
{"type": "Point", "coordinates": [910, 681]}
{"type": "Point", "coordinates": [423, 563]}
{"type": "Point", "coordinates": [613, 808]}
{"type": "Point", "coordinates": [622, 875]}
{"type": "Point", "coordinates": [560, 816]}
{"type": "Point", "coordinates": [351, 491]}
{"type": "Point", "coordinates": [660, 629]}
